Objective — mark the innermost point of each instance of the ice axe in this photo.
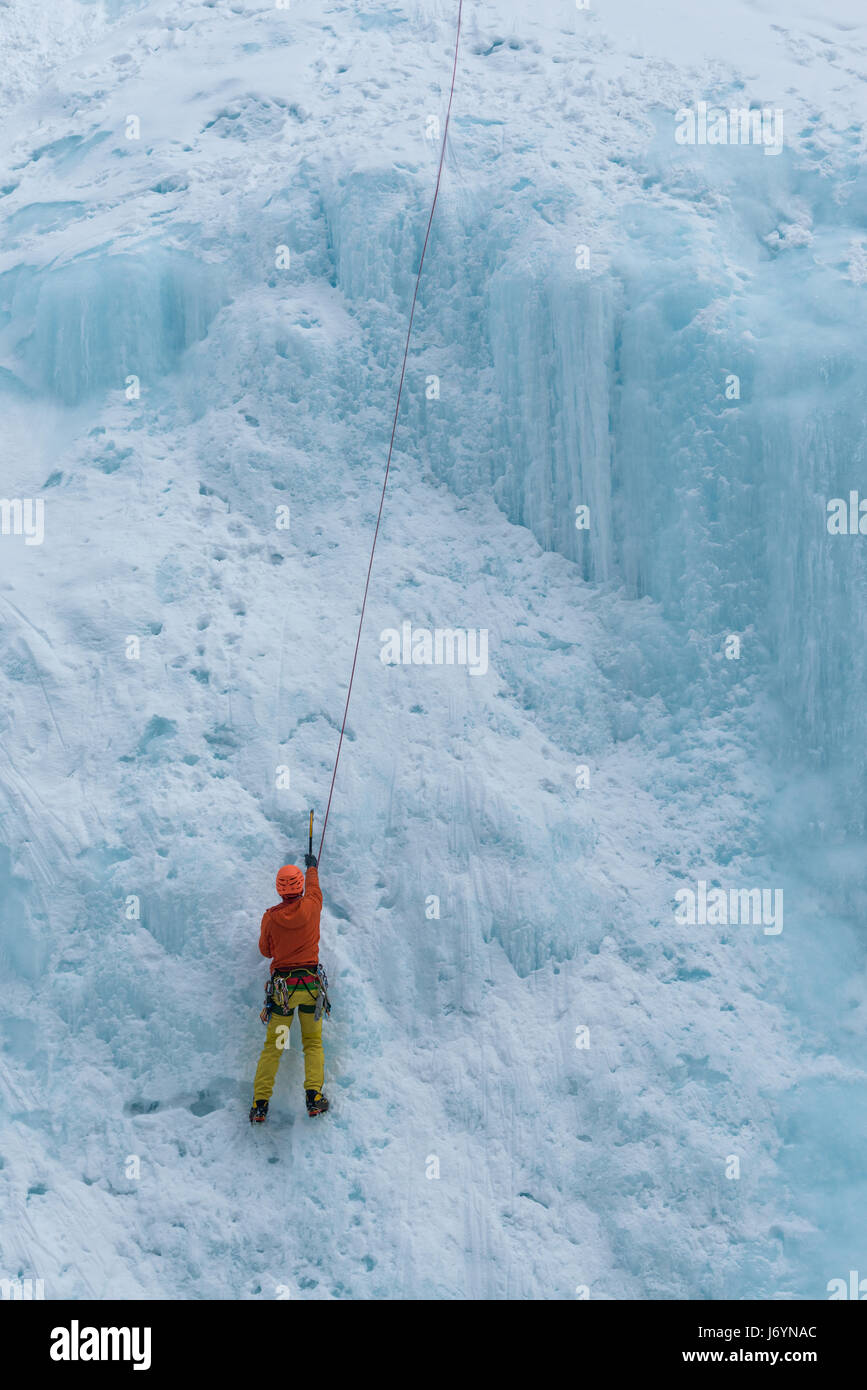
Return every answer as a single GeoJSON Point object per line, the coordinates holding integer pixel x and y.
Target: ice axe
{"type": "Point", "coordinates": [310, 841]}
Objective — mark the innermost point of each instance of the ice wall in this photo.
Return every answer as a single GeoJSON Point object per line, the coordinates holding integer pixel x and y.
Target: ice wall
{"type": "Point", "coordinates": [154, 779]}
{"type": "Point", "coordinates": [94, 322]}
{"type": "Point", "coordinates": [615, 388]}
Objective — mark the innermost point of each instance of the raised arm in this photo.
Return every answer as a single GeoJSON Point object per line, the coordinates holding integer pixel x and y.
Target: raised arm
{"type": "Point", "coordinates": [311, 882]}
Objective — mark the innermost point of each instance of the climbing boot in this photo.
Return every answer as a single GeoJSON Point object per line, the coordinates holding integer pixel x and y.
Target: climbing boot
{"type": "Point", "coordinates": [317, 1103]}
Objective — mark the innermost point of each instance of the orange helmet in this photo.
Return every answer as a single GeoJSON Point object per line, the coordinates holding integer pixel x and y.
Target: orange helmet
{"type": "Point", "coordinates": [290, 881]}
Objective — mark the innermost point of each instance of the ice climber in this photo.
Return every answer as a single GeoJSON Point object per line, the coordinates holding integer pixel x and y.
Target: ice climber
{"type": "Point", "coordinates": [290, 937]}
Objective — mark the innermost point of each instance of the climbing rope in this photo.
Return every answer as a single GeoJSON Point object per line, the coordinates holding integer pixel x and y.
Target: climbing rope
{"type": "Point", "coordinates": [393, 428]}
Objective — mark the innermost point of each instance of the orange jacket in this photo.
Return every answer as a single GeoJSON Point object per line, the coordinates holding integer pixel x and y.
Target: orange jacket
{"type": "Point", "coordinates": [290, 931]}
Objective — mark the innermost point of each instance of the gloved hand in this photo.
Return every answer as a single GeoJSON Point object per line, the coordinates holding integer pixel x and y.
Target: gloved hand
{"type": "Point", "coordinates": [310, 861]}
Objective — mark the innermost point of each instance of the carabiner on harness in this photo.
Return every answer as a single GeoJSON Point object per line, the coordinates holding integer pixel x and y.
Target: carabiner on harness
{"type": "Point", "coordinates": [323, 1003]}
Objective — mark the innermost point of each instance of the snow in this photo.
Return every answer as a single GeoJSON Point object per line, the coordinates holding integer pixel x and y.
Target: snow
{"type": "Point", "coordinates": [155, 778]}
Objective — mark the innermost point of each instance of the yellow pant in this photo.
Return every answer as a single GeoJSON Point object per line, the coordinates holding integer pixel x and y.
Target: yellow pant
{"type": "Point", "coordinates": [277, 1041]}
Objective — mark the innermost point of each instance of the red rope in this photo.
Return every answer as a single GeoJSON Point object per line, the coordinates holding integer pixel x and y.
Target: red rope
{"type": "Point", "coordinates": [393, 428]}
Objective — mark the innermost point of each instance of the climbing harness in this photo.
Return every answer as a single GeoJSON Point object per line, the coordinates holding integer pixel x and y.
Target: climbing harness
{"type": "Point", "coordinates": [393, 426]}
{"type": "Point", "coordinates": [283, 984]}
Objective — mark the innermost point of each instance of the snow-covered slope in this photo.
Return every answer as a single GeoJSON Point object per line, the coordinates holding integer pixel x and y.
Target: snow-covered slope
{"type": "Point", "coordinates": [155, 777]}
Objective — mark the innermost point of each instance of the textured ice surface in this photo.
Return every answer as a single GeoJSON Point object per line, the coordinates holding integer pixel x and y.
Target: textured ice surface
{"type": "Point", "coordinates": [156, 258]}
